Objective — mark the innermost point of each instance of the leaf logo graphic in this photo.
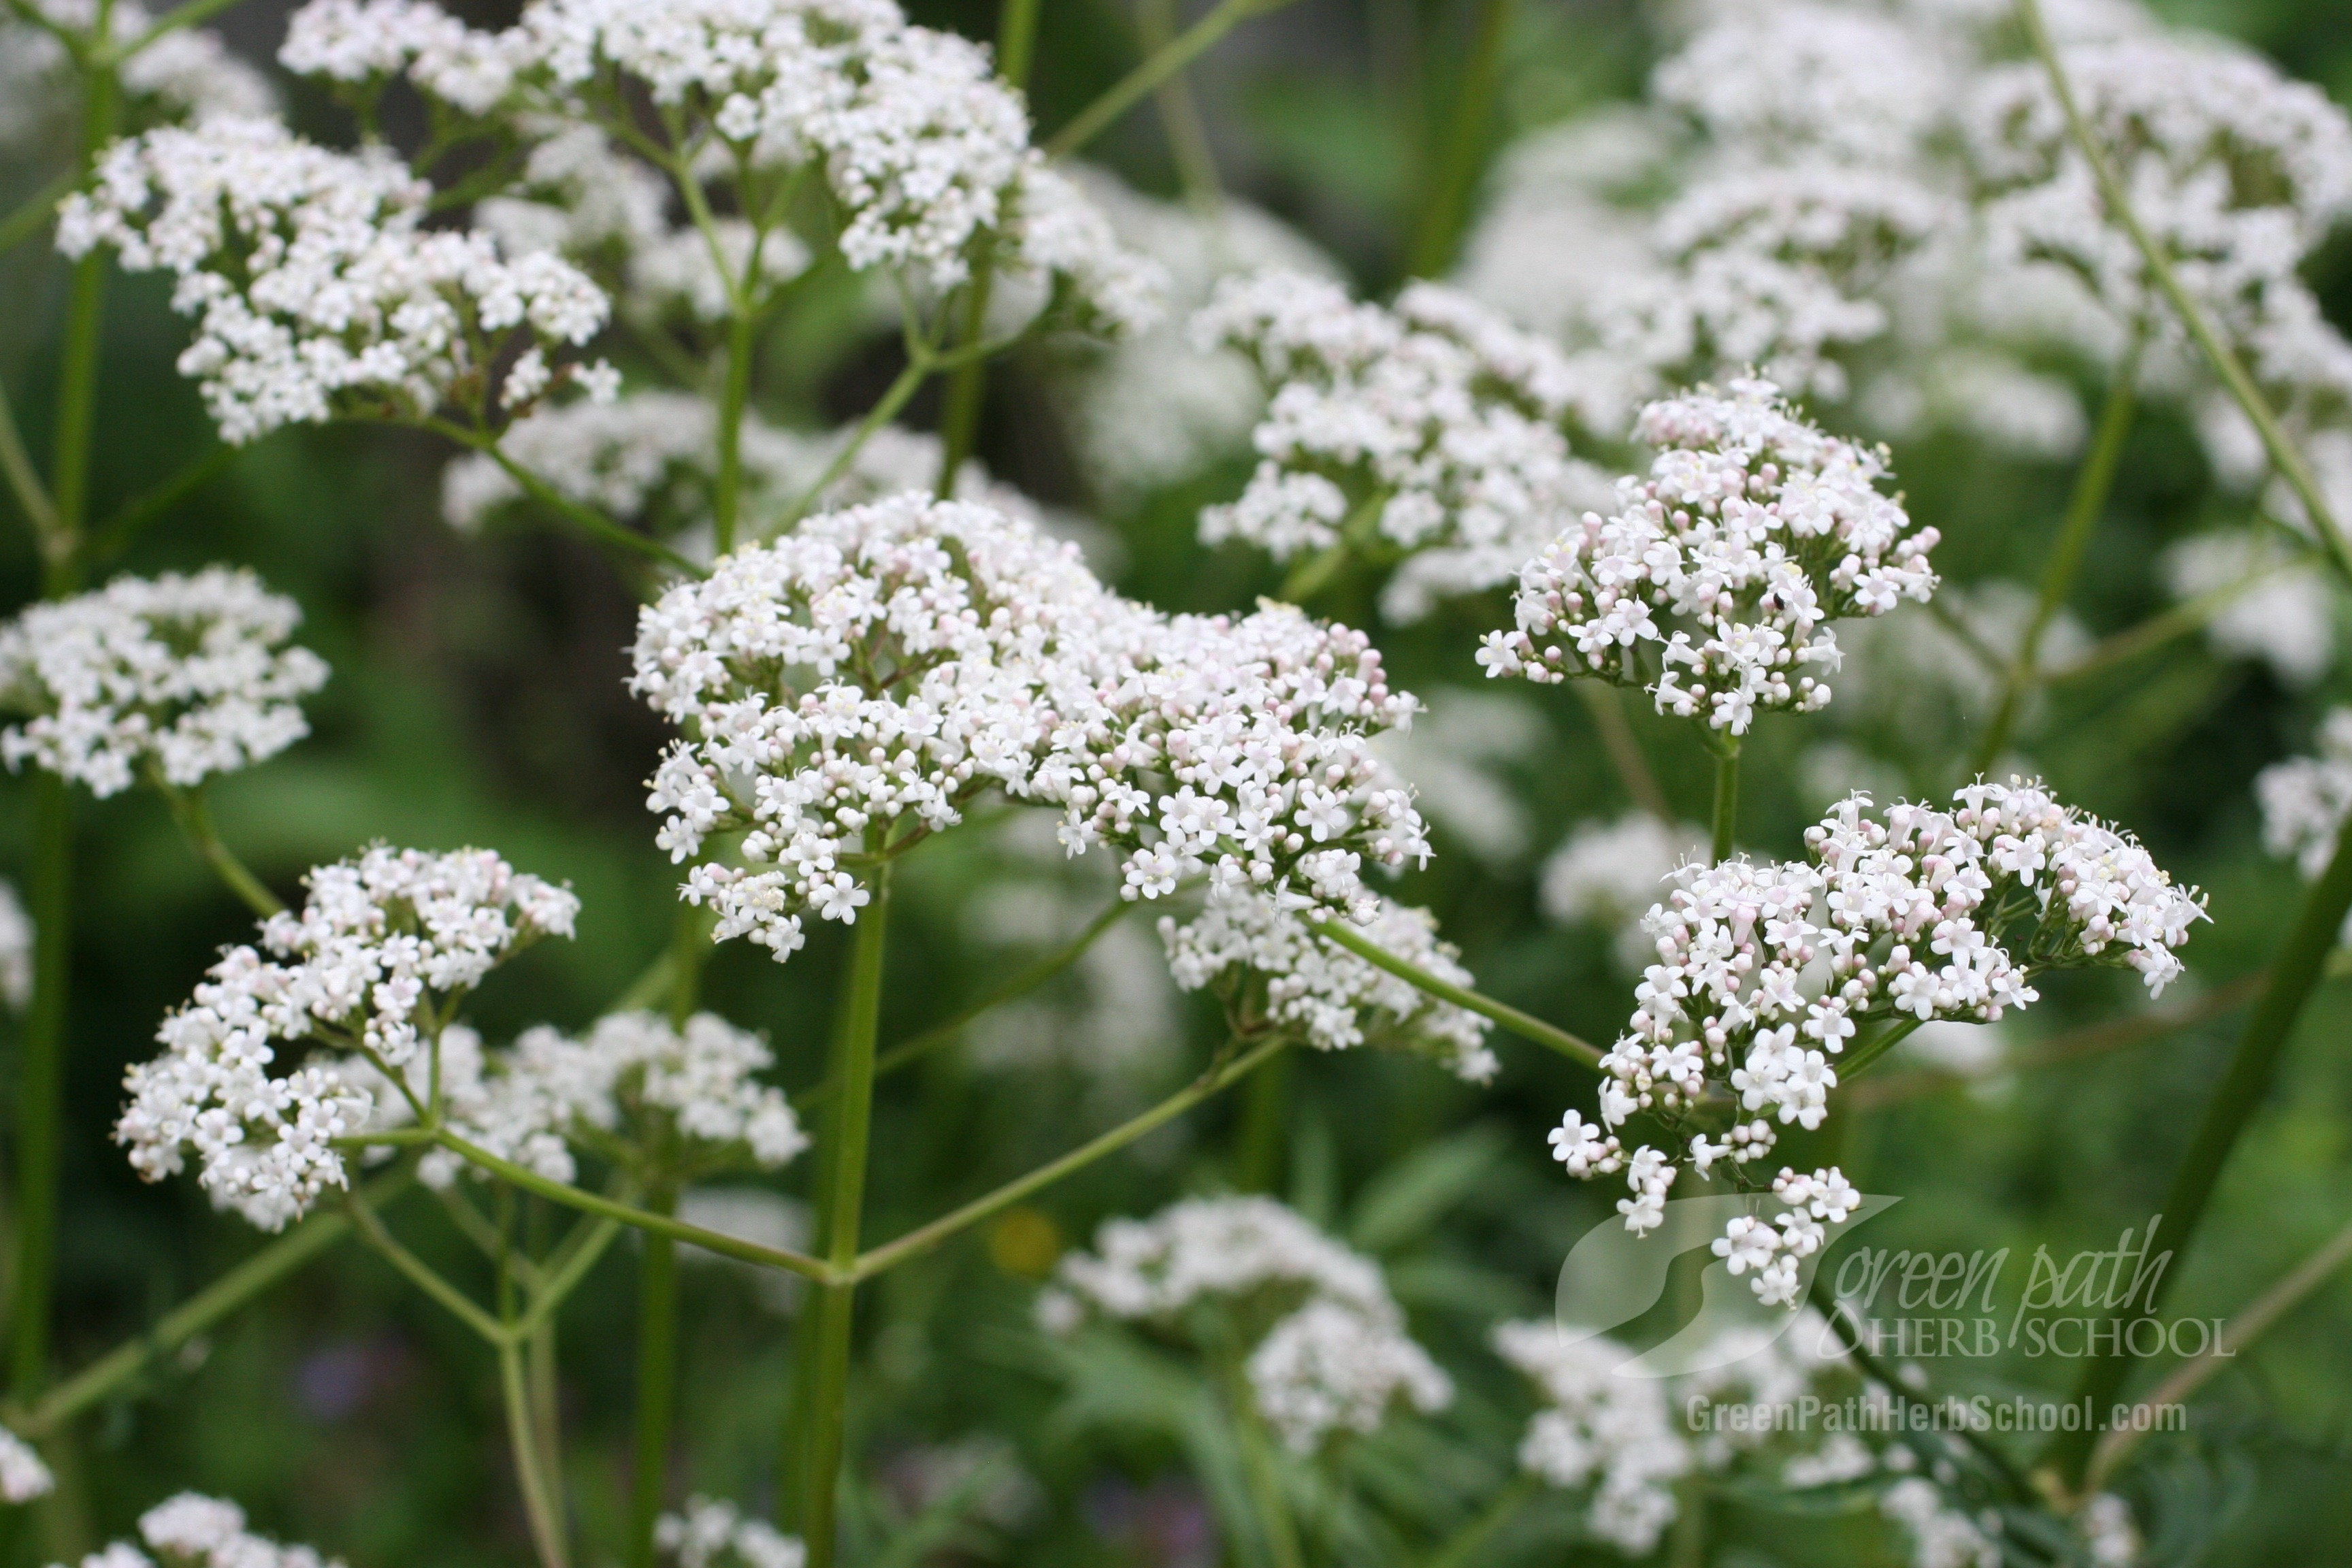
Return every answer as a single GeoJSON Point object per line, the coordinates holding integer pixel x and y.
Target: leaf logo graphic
{"type": "Point", "coordinates": [1613, 1277]}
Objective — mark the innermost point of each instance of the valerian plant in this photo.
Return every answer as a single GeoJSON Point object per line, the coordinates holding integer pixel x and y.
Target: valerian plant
{"type": "Point", "coordinates": [1642, 441]}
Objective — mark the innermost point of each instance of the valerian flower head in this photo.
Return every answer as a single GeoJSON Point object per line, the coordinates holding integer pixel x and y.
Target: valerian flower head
{"type": "Point", "coordinates": [2305, 801]}
{"type": "Point", "coordinates": [1429, 432]}
{"type": "Point", "coordinates": [1720, 570]}
{"type": "Point", "coordinates": [184, 75]}
{"type": "Point", "coordinates": [23, 1476]}
{"type": "Point", "coordinates": [1765, 973]}
{"type": "Point", "coordinates": [859, 680]}
{"type": "Point", "coordinates": [385, 947]}
{"type": "Point", "coordinates": [1614, 1434]}
{"type": "Point", "coordinates": [1258, 956]}
{"type": "Point", "coordinates": [192, 1530]}
{"type": "Point", "coordinates": [714, 1533]}
{"type": "Point", "coordinates": [188, 677]}
{"type": "Point", "coordinates": [317, 290]}
{"type": "Point", "coordinates": [1330, 1349]}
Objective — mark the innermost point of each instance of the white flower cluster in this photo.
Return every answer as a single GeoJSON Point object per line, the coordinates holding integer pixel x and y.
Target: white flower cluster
{"type": "Point", "coordinates": [1615, 1435]}
{"type": "Point", "coordinates": [384, 948]}
{"type": "Point", "coordinates": [924, 149]}
{"type": "Point", "coordinates": [188, 676]}
{"type": "Point", "coordinates": [635, 1088]}
{"type": "Point", "coordinates": [714, 1531]}
{"type": "Point", "coordinates": [2305, 801]}
{"type": "Point", "coordinates": [1765, 971]}
{"type": "Point", "coordinates": [875, 669]}
{"type": "Point", "coordinates": [1608, 873]}
{"type": "Point", "coordinates": [1431, 430]}
{"type": "Point", "coordinates": [2239, 174]}
{"type": "Point", "coordinates": [16, 939]}
{"type": "Point", "coordinates": [1333, 998]}
{"type": "Point", "coordinates": [1941, 1536]}
{"type": "Point", "coordinates": [317, 288]}
{"type": "Point", "coordinates": [192, 1530]}
{"type": "Point", "coordinates": [2276, 607]}
{"type": "Point", "coordinates": [23, 1476]}
{"type": "Point", "coordinates": [1753, 531]}
{"type": "Point", "coordinates": [1336, 1360]}
{"type": "Point", "coordinates": [187, 74]}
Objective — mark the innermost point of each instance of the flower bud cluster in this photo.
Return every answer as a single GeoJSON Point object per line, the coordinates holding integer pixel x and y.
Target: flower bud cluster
{"type": "Point", "coordinates": [1331, 998]}
{"type": "Point", "coordinates": [1432, 427]}
{"type": "Point", "coordinates": [187, 675]}
{"type": "Point", "coordinates": [1753, 531]}
{"type": "Point", "coordinates": [867, 675]}
{"type": "Point", "coordinates": [384, 948]}
{"type": "Point", "coordinates": [1765, 971]}
{"type": "Point", "coordinates": [1335, 1356]}
{"type": "Point", "coordinates": [1772, 1248]}
{"type": "Point", "coordinates": [317, 288]}
{"type": "Point", "coordinates": [192, 1530]}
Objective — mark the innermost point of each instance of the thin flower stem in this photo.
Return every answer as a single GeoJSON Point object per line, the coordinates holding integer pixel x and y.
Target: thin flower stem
{"type": "Point", "coordinates": [32, 496]}
{"type": "Point", "coordinates": [40, 1072]}
{"type": "Point", "coordinates": [1163, 63]}
{"type": "Point", "coordinates": [425, 1278]}
{"type": "Point", "coordinates": [941, 1034]}
{"type": "Point", "coordinates": [110, 538]}
{"type": "Point", "coordinates": [594, 523]}
{"type": "Point", "coordinates": [192, 12]}
{"type": "Point", "coordinates": [2240, 1332]}
{"type": "Point", "coordinates": [922, 1239]}
{"type": "Point", "coordinates": [36, 210]}
{"type": "Point", "coordinates": [657, 1379]}
{"type": "Point", "coordinates": [2094, 482]}
{"type": "Point", "coordinates": [2283, 454]}
{"type": "Point", "coordinates": [551, 1284]}
{"type": "Point", "coordinates": [77, 395]}
{"type": "Point", "coordinates": [1258, 1470]}
{"type": "Point", "coordinates": [99, 1381]}
{"type": "Point", "coordinates": [728, 492]}
{"type": "Point", "coordinates": [653, 1224]}
{"type": "Point", "coordinates": [1724, 819]}
{"type": "Point", "coordinates": [2302, 962]}
{"type": "Point", "coordinates": [1867, 1053]}
{"type": "Point", "coordinates": [192, 814]}
{"type": "Point", "coordinates": [1180, 117]}
{"type": "Point", "coordinates": [530, 1465]}
{"type": "Point", "coordinates": [1463, 1549]}
{"type": "Point", "coordinates": [919, 369]}
{"type": "Point", "coordinates": [826, 1409]}
{"type": "Point", "coordinates": [2179, 621]}
{"type": "Point", "coordinates": [967, 387]}
{"type": "Point", "coordinates": [1470, 121]}
{"type": "Point", "coordinates": [1524, 1025]}
{"type": "Point", "coordinates": [1625, 749]}
{"type": "Point", "coordinates": [1834, 1313]}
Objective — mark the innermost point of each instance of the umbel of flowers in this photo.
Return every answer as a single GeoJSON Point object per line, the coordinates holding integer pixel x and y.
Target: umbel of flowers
{"type": "Point", "coordinates": [1767, 974]}
{"type": "Point", "coordinates": [1712, 585]}
{"type": "Point", "coordinates": [848, 688]}
{"type": "Point", "coordinates": [383, 952]}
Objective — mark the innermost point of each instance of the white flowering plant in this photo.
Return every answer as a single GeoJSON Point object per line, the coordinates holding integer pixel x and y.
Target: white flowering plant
{"type": "Point", "coordinates": [1022, 656]}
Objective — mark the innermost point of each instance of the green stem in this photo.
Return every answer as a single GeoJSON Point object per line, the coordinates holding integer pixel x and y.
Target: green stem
{"type": "Point", "coordinates": [25, 484]}
{"type": "Point", "coordinates": [530, 1465]}
{"type": "Point", "coordinates": [1016, 40]}
{"type": "Point", "coordinates": [1725, 818]}
{"type": "Point", "coordinates": [97, 1381]}
{"type": "Point", "coordinates": [1161, 64]}
{"type": "Point", "coordinates": [1461, 1550]}
{"type": "Point", "coordinates": [892, 1254]}
{"type": "Point", "coordinates": [2094, 482]}
{"type": "Point", "coordinates": [1180, 116]}
{"type": "Point", "coordinates": [940, 1034]}
{"type": "Point", "coordinates": [192, 814]}
{"type": "Point", "coordinates": [1625, 749]}
{"type": "Point", "coordinates": [36, 210]}
{"type": "Point", "coordinates": [588, 520]}
{"type": "Point", "coordinates": [966, 389]}
{"type": "Point", "coordinates": [2179, 621]}
{"type": "Point", "coordinates": [2301, 962]}
{"type": "Point", "coordinates": [1448, 197]}
{"type": "Point", "coordinates": [1258, 1470]}
{"type": "Point", "coordinates": [827, 1410]}
{"type": "Point", "coordinates": [1266, 1114]}
{"type": "Point", "coordinates": [85, 323]}
{"type": "Point", "coordinates": [726, 494]}
{"type": "Point", "coordinates": [908, 380]}
{"type": "Point", "coordinates": [192, 14]}
{"type": "Point", "coordinates": [1858, 1060]}
{"type": "Point", "coordinates": [425, 1278]}
{"type": "Point", "coordinates": [2283, 454]}
{"type": "Point", "coordinates": [657, 1380]}
{"type": "Point", "coordinates": [1524, 1025]}
{"type": "Point", "coordinates": [110, 538]}
{"type": "Point", "coordinates": [40, 1072]}
{"type": "Point", "coordinates": [644, 1220]}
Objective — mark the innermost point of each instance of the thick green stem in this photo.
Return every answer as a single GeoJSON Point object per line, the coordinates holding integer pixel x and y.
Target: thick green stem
{"type": "Point", "coordinates": [1524, 1025]}
{"type": "Point", "coordinates": [1266, 1117]}
{"type": "Point", "coordinates": [966, 389]}
{"type": "Point", "coordinates": [1162, 64]}
{"type": "Point", "coordinates": [532, 1466]}
{"type": "Point", "coordinates": [1447, 197]}
{"type": "Point", "coordinates": [2092, 484]}
{"type": "Point", "coordinates": [85, 324]}
{"type": "Point", "coordinates": [2301, 962]}
{"type": "Point", "coordinates": [892, 1254]}
{"type": "Point", "coordinates": [657, 1380]}
{"type": "Point", "coordinates": [40, 1086]}
{"type": "Point", "coordinates": [1016, 40]}
{"type": "Point", "coordinates": [826, 1409]}
{"type": "Point", "coordinates": [2283, 454]}
{"type": "Point", "coordinates": [1180, 117]}
{"type": "Point", "coordinates": [1725, 818]}
{"type": "Point", "coordinates": [726, 494]}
